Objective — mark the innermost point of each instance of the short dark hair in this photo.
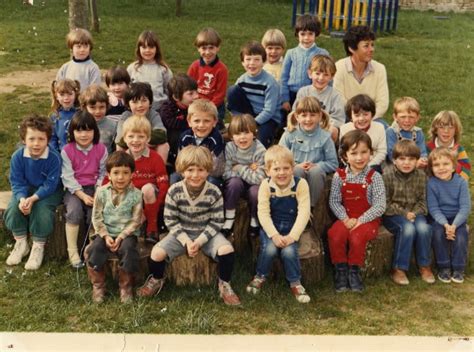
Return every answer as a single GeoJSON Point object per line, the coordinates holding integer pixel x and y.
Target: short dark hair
{"type": "Point", "coordinates": [406, 148]}
{"type": "Point", "coordinates": [119, 158]}
{"type": "Point", "coordinates": [36, 122]}
{"type": "Point", "coordinates": [83, 120]}
{"type": "Point", "coordinates": [351, 138]}
{"type": "Point", "coordinates": [307, 23]}
{"type": "Point", "coordinates": [355, 35]}
{"type": "Point", "coordinates": [360, 102]}
{"type": "Point", "coordinates": [117, 74]}
{"type": "Point", "coordinates": [138, 90]}
{"type": "Point", "coordinates": [253, 48]}
{"type": "Point", "coordinates": [179, 84]}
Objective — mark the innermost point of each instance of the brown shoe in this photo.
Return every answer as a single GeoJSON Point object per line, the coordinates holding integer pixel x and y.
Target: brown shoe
{"type": "Point", "coordinates": [126, 282]}
{"type": "Point", "coordinates": [98, 284]}
{"type": "Point", "coordinates": [151, 287]}
{"type": "Point", "coordinates": [227, 294]}
{"type": "Point", "coordinates": [399, 277]}
{"type": "Point", "coordinates": [427, 275]}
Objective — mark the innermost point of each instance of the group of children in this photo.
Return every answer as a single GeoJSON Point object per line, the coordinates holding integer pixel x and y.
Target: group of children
{"type": "Point", "coordinates": [111, 156]}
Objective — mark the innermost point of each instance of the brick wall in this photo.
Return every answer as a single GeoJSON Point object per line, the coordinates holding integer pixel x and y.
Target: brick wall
{"type": "Point", "coordinates": [439, 5]}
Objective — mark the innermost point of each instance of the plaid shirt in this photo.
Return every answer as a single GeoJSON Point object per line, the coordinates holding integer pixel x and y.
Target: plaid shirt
{"type": "Point", "coordinates": [405, 192]}
{"type": "Point", "coordinates": [375, 195]}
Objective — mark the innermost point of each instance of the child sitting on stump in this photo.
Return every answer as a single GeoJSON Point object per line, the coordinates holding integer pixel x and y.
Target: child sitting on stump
{"type": "Point", "coordinates": [116, 217]}
{"type": "Point", "coordinates": [357, 199]}
{"type": "Point", "coordinates": [194, 215]}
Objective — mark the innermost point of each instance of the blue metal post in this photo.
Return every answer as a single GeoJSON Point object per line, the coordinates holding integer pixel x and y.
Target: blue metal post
{"type": "Point", "coordinates": [369, 12]}
{"type": "Point", "coordinates": [382, 22]}
{"type": "Point", "coordinates": [377, 14]}
{"type": "Point", "coordinates": [293, 14]}
{"type": "Point", "coordinates": [312, 7]}
{"type": "Point", "coordinates": [389, 15]}
{"type": "Point", "coordinates": [394, 24]}
{"type": "Point", "coordinates": [349, 17]}
{"type": "Point", "coordinates": [331, 14]}
{"type": "Point", "coordinates": [303, 2]}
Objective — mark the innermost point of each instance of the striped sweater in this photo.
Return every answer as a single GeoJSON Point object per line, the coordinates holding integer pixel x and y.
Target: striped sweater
{"type": "Point", "coordinates": [194, 219]}
{"type": "Point", "coordinates": [238, 161]}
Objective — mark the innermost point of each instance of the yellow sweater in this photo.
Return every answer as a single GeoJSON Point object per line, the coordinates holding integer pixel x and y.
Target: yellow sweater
{"type": "Point", "coordinates": [304, 207]}
{"type": "Point", "coordinates": [374, 84]}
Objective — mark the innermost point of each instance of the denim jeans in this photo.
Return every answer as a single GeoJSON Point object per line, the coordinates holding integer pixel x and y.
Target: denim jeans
{"type": "Point", "coordinates": [458, 248]}
{"type": "Point", "coordinates": [406, 234]}
{"type": "Point", "coordinates": [289, 256]}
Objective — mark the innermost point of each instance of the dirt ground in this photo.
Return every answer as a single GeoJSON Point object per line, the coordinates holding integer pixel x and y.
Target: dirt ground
{"type": "Point", "coordinates": [40, 80]}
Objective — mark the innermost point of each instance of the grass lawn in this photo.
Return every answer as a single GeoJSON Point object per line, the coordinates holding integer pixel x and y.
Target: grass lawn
{"type": "Point", "coordinates": [426, 58]}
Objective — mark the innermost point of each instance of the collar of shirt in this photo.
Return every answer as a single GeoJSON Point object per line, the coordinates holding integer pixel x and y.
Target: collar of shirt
{"type": "Point", "coordinates": [437, 144]}
{"type": "Point", "coordinates": [282, 190]}
{"type": "Point", "coordinates": [145, 153]}
{"type": "Point", "coordinates": [86, 149]}
{"type": "Point", "coordinates": [350, 68]}
{"type": "Point", "coordinates": [360, 176]}
{"type": "Point", "coordinates": [306, 49]}
{"type": "Point", "coordinates": [212, 64]}
{"type": "Point", "coordinates": [27, 154]}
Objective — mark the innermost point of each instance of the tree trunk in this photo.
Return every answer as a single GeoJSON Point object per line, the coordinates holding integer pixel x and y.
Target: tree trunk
{"type": "Point", "coordinates": [94, 16]}
{"type": "Point", "coordinates": [178, 8]}
{"type": "Point", "coordinates": [78, 14]}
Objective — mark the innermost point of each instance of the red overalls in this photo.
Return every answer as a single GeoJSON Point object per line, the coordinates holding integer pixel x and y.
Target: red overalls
{"type": "Point", "coordinates": [354, 200]}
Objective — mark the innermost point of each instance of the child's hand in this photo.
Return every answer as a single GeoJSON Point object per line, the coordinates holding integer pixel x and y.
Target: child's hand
{"type": "Point", "coordinates": [349, 222]}
{"type": "Point", "coordinates": [88, 200]}
{"type": "Point", "coordinates": [109, 242]}
{"type": "Point", "coordinates": [450, 232]}
{"type": "Point", "coordinates": [411, 216]}
{"type": "Point", "coordinates": [356, 225]}
{"type": "Point", "coordinates": [286, 106]}
{"type": "Point", "coordinates": [193, 248]}
{"type": "Point", "coordinates": [278, 241]}
{"type": "Point", "coordinates": [236, 167]}
{"type": "Point", "coordinates": [422, 163]}
{"type": "Point", "coordinates": [253, 166]}
{"type": "Point", "coordinates": [27, 203]}
{"type": "Point", "coordinates": [115, 247]}
{"type": "Point", "coordinates": [287, 240]}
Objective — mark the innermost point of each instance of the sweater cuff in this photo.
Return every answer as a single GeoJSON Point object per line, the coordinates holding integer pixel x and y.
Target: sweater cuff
{"type": "Point", "coordinates": [202, 240]}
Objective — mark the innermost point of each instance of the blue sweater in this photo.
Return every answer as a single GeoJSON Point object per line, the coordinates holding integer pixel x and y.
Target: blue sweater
{"type": "Point", "coordinates": [315, 146]}
{"type": "Point", "coordinates": [449, 200]}
{"type": "Point", "coordinates": [60, 122]}
{"type": "Point", "coordinates": [294, 73]}
{"type": "Point", "coordinates": [395, 134]}
{"type": "Point", "coordinates": [263, 93]}
{"type": "Point", "coordinates": [29, 176]}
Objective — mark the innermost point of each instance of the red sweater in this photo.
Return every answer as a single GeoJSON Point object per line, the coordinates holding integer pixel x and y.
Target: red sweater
{"type": "Point", "coordinates": [211, 79]}
{"type": "Point", "coordinates": [150, 168]}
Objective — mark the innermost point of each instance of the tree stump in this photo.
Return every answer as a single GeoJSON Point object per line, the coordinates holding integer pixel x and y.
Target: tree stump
{"type": "Point", "coordinates": [199, 271]}
{"type": "Point", "coordinates": [112, 265]}
{"type": "Point", "coordinates": [378, 254]}
{"type": "Point", "coordinates": [241, 226]}
{"type": "Point", "coordinates": [321, 217]}
{"type": "Point", "coordinates": [311, 253]}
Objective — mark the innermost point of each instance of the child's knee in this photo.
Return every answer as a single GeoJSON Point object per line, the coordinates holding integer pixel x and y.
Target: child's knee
{"type": "Point", "coordinates": [158, 254]}
{"type": "Point", "coordinates": [149, 193]}
{"type": "Point", "coordinates": [226, 249]}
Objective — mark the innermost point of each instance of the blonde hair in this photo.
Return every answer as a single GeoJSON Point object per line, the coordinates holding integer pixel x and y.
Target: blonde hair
{"type": "Point", "coordinates": [311, 105]}
{"type": "Point", "coordinates": [92, 95]}
{"type": "Point", "coordinates": [204, 106]}
{"type": "Point", "coordinates": [242, 124]}
{"type": "Point", "coordinates": [193, 155]}
{"type": "Point", "coordinates": [406, 104]}
{"type": "Point", "coordinates": [278, 154]}
{"type": "Point", "coordinates": [79, 36]}
{"type": "Point", "coordinates": [137, 124]}
{"type": "Point", "coordinates": [441, 152]}
{"type": "Point", "coordinates": [274, 37]}
{"type": "Point", "coordinates": [446, 117]}
{"type": "Point", "coordinates": [64, 86]}
{"type": "Point", "coordinates": [323, 63]}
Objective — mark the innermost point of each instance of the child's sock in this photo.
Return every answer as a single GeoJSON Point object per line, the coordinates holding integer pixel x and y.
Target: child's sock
{"type": "Point", "coordinates": [157, 269]}
{"type": "Point", "coordinates": [151, 214]}
{"type": "Point", "coordinates": [226, 265]}
{"type": "Point", "coordinates": [229, 219]}
{"type": "Point", "coordinates": [72, 233]}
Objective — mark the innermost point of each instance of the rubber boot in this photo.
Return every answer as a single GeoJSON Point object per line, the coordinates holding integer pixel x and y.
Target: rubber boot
{"type": "Point", "coordinates": [126, 282]}
{"type": "Point", "coordinates": [98, 284]}
{"type": "Point", "coordinates": [341, 277]}
{"type": "Point", "coordinates": [355, 280]}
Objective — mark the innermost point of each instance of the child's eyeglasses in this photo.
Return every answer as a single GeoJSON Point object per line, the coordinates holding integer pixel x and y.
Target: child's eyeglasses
{"type": "Point", "coordinates": [444, 126]}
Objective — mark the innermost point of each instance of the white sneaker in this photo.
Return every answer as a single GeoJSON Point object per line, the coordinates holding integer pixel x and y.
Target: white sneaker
{"type": "Point", "coordinates": [20, 250]}
{"type": "Point", "coordinates": [36, 257]}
